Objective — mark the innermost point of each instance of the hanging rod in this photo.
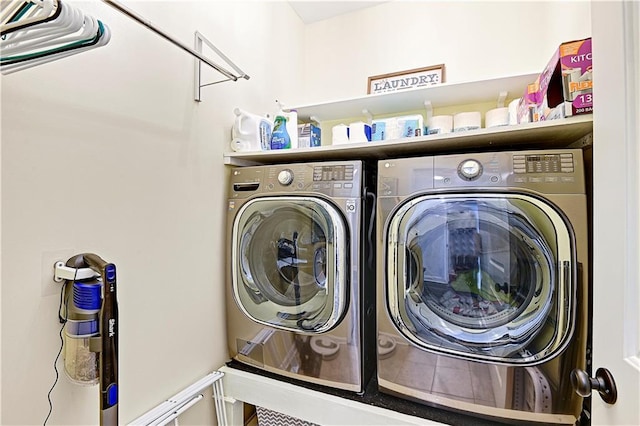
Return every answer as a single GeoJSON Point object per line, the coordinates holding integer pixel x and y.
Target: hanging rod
{"type": "Point", "coordinates": [199, 40]}
{"type": "Point", "coordinates": [131, 14]}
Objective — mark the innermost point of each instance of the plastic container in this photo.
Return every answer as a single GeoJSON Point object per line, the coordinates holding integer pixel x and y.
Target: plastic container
{"type": "Point", "coordinates": [250, 132]}
{"type": "Point", "coordinates": [280, 138]}
{"type": "Point", "coordinates": [292, 127]}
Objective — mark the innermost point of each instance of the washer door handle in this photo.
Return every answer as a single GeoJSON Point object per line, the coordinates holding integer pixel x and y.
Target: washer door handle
{"type": "Point", "coordinates": [603, 383]}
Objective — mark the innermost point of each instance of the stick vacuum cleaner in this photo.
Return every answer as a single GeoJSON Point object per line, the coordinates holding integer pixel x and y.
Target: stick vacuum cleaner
{"type": "Point", "coordinates": [91, 330]}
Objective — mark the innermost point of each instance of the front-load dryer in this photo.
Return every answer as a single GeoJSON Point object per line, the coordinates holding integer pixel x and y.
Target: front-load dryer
{"type": "Point", "coordinates": [482, 285]}
{"type": "Point", "coordinates": [298, 286]}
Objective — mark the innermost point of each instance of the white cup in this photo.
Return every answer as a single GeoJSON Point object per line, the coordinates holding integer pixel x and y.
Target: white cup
{"type": "Point", "coordinates": [359, 132]}
{"type": "Point", "coordinates": [340, 134]}
{"type": "Point", "coordinates": [464, 121]}
{"type": "Point", "coordinates": [496, 117]}
{"type": "Point", "coordinates": [513, 111]}
{"type": "Point", "coordinates": [440, 124]}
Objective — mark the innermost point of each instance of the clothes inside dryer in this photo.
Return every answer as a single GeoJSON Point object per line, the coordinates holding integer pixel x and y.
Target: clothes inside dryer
{"type": "Point", "coordinates": [476, 274]}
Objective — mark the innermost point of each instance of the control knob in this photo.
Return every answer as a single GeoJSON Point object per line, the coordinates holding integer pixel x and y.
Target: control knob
{"type": "Point", "coordinates": [285, 177]}
{"type": "Point", "coordinates": [470, 169]}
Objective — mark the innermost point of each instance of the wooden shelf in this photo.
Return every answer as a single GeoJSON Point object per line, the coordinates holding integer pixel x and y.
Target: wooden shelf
{"type": "Point", "coordinates": [544, 134]}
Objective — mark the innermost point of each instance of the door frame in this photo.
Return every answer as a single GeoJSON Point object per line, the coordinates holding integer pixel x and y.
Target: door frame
{"type": "Point", "coordinates": [616, 207]}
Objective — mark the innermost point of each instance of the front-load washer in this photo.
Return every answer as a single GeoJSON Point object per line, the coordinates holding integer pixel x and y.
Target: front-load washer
{"type": "Point", "coordinates": [298, 285]}
{"type": "Point", "coordinates": [482, 284]}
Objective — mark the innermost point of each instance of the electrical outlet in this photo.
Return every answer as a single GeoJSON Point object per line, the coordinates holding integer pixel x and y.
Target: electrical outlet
{"type": "Point", "coordinates": [49, 259]}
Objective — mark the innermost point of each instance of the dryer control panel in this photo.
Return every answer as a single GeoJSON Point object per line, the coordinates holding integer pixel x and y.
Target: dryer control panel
{"type": "Point", "coordinates": [547, 171]}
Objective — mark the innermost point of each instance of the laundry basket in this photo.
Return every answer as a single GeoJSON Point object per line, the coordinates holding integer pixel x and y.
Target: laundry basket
{"type": "Point", "coordinates": [268, 417]}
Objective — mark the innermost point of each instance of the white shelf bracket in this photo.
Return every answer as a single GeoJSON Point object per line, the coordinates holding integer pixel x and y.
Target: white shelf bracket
{"type": "Point", "coordinates": [368, 114]}
{"type": "Point", "coordinates": [199, 40]}
{"type": "Point", "coordinates": [314, 118]}
{"type": "Point", "coordinates": [502, 97]}
{"type": "Point", "coordinates": [197, 52]}
{"type": "Point", "coordinates": [428, 111]}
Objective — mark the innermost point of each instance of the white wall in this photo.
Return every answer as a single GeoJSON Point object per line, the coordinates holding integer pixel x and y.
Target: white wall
{"type": "Point", "coordinates": [474, 39]}
{"type": "Point", "coordinates": [120, 124]}
{"type": "Point", "coordinates": [107, 152]}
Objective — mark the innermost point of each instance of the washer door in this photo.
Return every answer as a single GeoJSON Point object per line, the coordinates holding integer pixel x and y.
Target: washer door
{"type": "Point", "coordinates": [289, 260]}
{"type": "Point", "coordinates": [487, 277]}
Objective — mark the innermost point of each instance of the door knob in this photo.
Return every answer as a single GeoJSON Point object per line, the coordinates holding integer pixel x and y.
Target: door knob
{"type": "Point", "coordinates": [603, 383]}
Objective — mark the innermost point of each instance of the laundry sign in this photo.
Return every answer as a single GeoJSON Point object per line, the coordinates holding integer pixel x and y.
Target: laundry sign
{"type": "Point", "coordinates": [403, 80]}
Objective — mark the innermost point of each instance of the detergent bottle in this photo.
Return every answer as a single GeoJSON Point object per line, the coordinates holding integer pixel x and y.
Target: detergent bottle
{"type": "Point", "coordinates": [250, 132]}
{"type": "Point", "coordinates": [280, 138]}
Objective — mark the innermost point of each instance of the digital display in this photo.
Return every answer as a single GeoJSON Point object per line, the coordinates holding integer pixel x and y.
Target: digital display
{"type": "Point", "coordinates": [552, 158]}
{"type": "Point", "coordinates": [548, 163]}
{"type": "Point", "coordinates": [543, 163]}
{"type": "Point", "coordinates": [333, 173]}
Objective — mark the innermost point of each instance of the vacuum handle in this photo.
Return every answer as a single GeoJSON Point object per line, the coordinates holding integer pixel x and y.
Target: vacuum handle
{"type": "Point", "coordinates": [95, 262]}
{"type": "Point", "coordinates": [109, 333]}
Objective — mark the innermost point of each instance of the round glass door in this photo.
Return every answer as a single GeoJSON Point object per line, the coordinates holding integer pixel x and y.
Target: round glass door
{"type": "Point", "coordinates": [485, 277]}
{"type": "Point", "coordinates": [289, 265]}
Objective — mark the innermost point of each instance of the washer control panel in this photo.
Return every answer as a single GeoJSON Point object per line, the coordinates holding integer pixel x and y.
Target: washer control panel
{"type": "Point", "coordinates": [334, 179]}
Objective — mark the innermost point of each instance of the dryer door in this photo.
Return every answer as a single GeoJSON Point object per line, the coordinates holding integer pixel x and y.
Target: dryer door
{"type": "Point", "coordinates": [289, 263]}
{"type": "Point", "coordinates": [486, 277]}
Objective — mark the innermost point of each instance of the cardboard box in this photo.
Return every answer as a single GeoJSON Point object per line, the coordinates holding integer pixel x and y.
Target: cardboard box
{"type": "Point", "coordinates": [570, 80]}
{"type": "Point", "coordinates": [564, 88]}
{"type": "Point", "coordinates": [529, 105]}
{"type": "Point", "coordinates": [308, 135]}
